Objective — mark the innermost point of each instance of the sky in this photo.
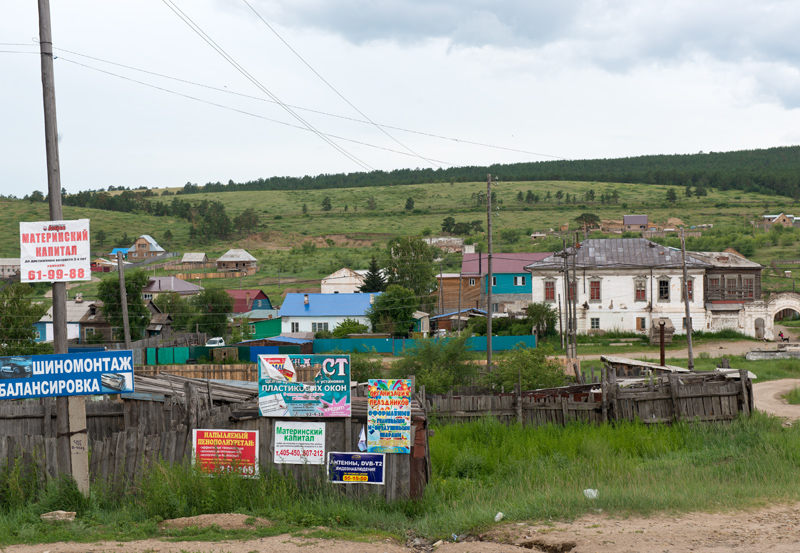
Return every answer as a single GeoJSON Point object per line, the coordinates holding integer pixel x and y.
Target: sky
{"type": "Point", "coordinates": [305, 87]}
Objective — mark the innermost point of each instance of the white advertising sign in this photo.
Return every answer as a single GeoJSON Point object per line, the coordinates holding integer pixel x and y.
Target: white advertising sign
{"type": "Point", "coordinates": [55, 251]}
{"type": "Point", "coordinates": [299, 443]}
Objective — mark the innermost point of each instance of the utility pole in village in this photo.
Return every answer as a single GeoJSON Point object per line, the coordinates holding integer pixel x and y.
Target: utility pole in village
{"type": "Point", "coordinates": [489, 276]}
{"type": "Point", "coordinates": [72, 445]}
{"type": "Point", "coordinates": [690, 364]}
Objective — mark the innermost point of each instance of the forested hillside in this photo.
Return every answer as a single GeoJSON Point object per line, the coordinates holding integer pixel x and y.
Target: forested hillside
{"type": "Point", "coordinates": [774, 171]}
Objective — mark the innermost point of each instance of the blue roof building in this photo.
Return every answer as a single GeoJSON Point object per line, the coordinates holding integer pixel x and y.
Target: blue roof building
{"type": "Point", "coordinates": [316, 312]}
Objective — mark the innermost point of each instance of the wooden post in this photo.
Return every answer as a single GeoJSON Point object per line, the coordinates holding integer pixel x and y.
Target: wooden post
{"type": "Point", "coordinates": [604, 392]}
{"type": "Point", "coordinates": [564, 411]}
{"type": "Point", "coordinates": [673, 386]}
{"type": "Point", "coordinates": [123, 295]}
{"type": "Point", "coordinates": [518, 403]}
{"type": "Point", "coordinates": [744, 378]}
{"type": "Point", "coordinates": [612, 391]}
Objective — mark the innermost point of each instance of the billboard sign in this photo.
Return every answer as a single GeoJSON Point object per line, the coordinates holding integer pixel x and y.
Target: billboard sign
{"type": "Point", "coordinates": [280, 395]}
{"type": "Point", "coordinates": [299, 443]}
{"type": "Point", "coordinates": [66, 374]}
{"type": "Point", "coordinates": [54, 251]}
{"type": "Point", "coordinates": [356, 468]}
{"type": "Point", "coordinates": [389, 416]}
{"type": "Point", "coordinates": [226, 451]}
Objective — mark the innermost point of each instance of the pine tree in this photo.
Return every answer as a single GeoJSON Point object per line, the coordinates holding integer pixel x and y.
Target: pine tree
{"type": "Point", "coordinates": [373, 280]}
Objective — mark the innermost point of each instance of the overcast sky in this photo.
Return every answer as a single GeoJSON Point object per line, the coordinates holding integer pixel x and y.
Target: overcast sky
{"type": "Point", "coordinates": [512, 81]}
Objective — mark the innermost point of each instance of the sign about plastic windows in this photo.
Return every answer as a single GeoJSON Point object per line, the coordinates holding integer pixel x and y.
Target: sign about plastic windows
{"type": "Point", "coordinates": [389, 416]}
{"type": "Point", "coordinates": [226, 451]}
{"type": "Point", "coordinates": [280, 395]}
{"type": "Point", "coordinates": [66, 374]}
{"type": "Point", "coordinates": [54, 251]}
{"type": "Point", "coordinates": [355, 468]}
{"type": "Point", "coordinates": [299, 443]}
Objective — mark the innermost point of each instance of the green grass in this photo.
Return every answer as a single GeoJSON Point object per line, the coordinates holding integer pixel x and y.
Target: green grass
{"type": "Point", "coordinates": [793, 397]}
{"type": "Point", "coordinates": [479, 469]}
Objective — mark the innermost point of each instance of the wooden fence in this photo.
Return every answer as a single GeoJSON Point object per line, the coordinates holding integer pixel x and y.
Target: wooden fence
{"type": "Point", "coordinates": [243, 371]}
{"type": "Point", "coordinates": [708, 396]}
{"type": "Point", "coordinates": [126, 436]}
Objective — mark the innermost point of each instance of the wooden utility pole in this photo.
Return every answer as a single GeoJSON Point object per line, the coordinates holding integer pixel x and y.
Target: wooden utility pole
{"type": "Point", "coordinates": [72, 445]}
{"type": "Point", "coordinates": [460, 281]}
{"type": "Point", "coordinates": [690, 364]}
{"type": "Point", "coordinates": [489, 266]}
{"type": "Point", "coordinates": [123, 296]}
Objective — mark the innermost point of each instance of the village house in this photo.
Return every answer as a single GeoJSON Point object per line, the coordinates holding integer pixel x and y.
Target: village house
{"type": "Point", "coordinates": [237, 260]}
{"type": "Point", "coordinates": [162, 284]}
{"type": "Point", "coordinates": [144, 248]}
{"type": "Point", "coordinates": [343, 281]}
{"type": "Point", "coordinates": [194, 258]}
{"type": "Point", "coordinates": [9, 267]}
{"type": "Point", "coordinates": [780, 219]}
{"type": "Point", "coordinates": [452, 295]}
{"type": "Point", "coordinates": [318, 312]}
{"type": "Point", "coordinates": [622, 284]}
{"type": "Point", "coordinates": [247, 300]}
{"type": "Point", "coordinates": [511, 284]}
{"type": "Point", "coordinates": [635, 223]}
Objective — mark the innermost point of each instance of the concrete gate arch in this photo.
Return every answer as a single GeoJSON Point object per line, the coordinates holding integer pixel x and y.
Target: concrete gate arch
{"type": "Point", "coordinates": [784, 300]}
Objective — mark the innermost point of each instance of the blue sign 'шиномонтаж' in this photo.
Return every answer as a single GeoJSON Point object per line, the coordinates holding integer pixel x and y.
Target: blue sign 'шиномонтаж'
{"type": "Point", "coordinates": [66, 374]}
{"type": "Point", "coordinates": [355, 468]}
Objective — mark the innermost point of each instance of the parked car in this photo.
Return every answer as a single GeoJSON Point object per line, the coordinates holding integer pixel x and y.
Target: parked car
{"type": "Point", "coordinates": [16, 367]}
{"type": "Point", "coordinates": [113, 382]}
{"type": "Point", "coordinates": [215, 342]}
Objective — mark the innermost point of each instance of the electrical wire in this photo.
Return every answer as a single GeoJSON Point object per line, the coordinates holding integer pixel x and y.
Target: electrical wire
{"type": "Point", "coordinates": [202, 34]}
{"type": "Point", "coordinates": [362, 114]}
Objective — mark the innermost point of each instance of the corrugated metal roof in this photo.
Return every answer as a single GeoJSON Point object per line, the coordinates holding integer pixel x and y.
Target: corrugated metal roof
{"type": "Point", "coordinates": [154, 247]}
{"type": "Point", "coordinates": [236, 255]}
{"type": "Point", "coordinates": [620, 252]}
{"type": "Point", "coordinates": [725, 259]}
{"type": "Point", "coordinates": [326, 305]}
{"type": "Point", "coordinates": [194, 257]}
{"type": "Point", "coordinates": [477, 263]}
{"type": "Point", "coordinates": [75, 311]}
{"type": "Point", "coordinates": [170, 284]}
{"type": "Point", "coordinates": [634, 219]}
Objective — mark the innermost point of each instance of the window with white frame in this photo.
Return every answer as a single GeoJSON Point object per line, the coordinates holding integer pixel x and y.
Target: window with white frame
{"type": "Point", "coordinates": [640, 289]}
{"type": "Point", "coordinates": [319, 327]}
{"type": "Point", "coordinates": [519, 281]}
{"type": "Point", "coordinates": [472, 282]}
{"type": "Point", "coordinates": [549, 290]}
{"type": "Point", "coordinates": [295, 327]}
{"type": "Point", "coordinates": [494, 281]}
{"type": "Point", "coordinates": [594, 290]}
{"type": "Point", "coordinates": [251, 329]}
{"type": "Point", "coordinates": [146, 296]}
{"type": "Point", "coordinates": [663, 289]}
{"type": "Point", "coordinates": [595, 323]}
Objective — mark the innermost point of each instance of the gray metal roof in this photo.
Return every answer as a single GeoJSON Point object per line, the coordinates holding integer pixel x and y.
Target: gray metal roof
{"type": "Point", "coordinates": [726, 259]}
{"type": "Point", "coordinates": [634, 219]}
{"type": "Point", "coordinates": [599, 253]}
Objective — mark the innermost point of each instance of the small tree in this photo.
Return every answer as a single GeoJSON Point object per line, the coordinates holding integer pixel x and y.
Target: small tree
{"type": "Point", "coordinates": [349, 326]}
{"type": "Point", "coordinates": [17, 317]}
{"type": "Point", "coordinates": [326, 203]}
{"type": "Point", "coordinates": [439, 364]}
{"type": "Point", "coordinates": [247, 221]}
{"type": "Point", "coordinates": [531, 366]}
{"type": "Point", "coordinates": [393, 311]}
{"type": "Point", "coordinates": [167, 235]}
{"type": "Point", "coordinates": [138, 314]}
{"type": "Point", "coordinates": [212, 307]}
{"type": "Point", "coordinates": [373, 280]}
{"type": "Point", "coordinates": [305, 208]}
{"type": "Point", "coordinates": [672, 196]}
{"type": "Point", "coordinates": [520, 197]}
{"type": "Point", "coordinates": [409, 204]}
{"type": "Point", "coordinates": [588, 220]}
{"type": "Point", "coordinates": [447, 224]}
{"type": "Point", "coordinates": [542, 316]}
{"type": "Point", "coordinates": [100, 237]}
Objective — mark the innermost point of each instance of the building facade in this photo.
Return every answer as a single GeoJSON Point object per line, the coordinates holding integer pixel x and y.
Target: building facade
{"type": "Point", "coordinates": [319, 312]}
{"type": "Point", "coordinates": [144, 248]}
{"type": "Point", "coordinates": [511, 283]}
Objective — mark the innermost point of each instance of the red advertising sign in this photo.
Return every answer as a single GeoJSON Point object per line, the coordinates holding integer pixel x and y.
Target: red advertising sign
{"type": "Point", "coordinates": [226, 451]}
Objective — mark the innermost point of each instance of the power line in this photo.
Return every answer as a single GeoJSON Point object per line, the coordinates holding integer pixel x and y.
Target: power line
{"type": "Point", "coordinates": [236, 110]}
{"type": "Point", "coordinates": [202, 34]}
{"type": "Point", "coordinates": [310, 110]}
{"type": "Point", "coordinates": [331, 86]}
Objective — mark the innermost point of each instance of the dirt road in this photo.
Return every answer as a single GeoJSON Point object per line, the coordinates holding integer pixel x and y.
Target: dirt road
{"type": "Point", "coordinates": [714, 349]}
{"type": "Point", "coordinates": [775, 529]}
{"type": "Point", "coordinates": [768, 397]}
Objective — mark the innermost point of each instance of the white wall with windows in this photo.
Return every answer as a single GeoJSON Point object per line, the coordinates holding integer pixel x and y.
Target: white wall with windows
{"type": "Point", "coordinates": [315, 324]}
{"type": "Point", "coordinates": [625, 299]}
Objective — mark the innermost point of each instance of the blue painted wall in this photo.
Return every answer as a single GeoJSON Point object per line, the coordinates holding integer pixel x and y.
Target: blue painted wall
{"type": "Point", "coordinates": [399, 345]}
{"type": "Point", "coordinates": [505, 284]}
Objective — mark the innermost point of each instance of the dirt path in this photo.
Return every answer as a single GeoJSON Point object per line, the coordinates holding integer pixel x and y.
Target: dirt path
{"type": "Point", "coordinates": [775, 529]}
{"type": "Point", "coordinates": [714, 349]}
{"type": "Point", "coordinates": [768, 398]}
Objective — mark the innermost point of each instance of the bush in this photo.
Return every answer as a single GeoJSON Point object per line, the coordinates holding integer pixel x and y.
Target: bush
{"type": "Point", "coordinates": [439, 364]}
{"type": "Point", "coordinates": [531, 365]}
{"type": "Point", "coordinates": [364, 366]}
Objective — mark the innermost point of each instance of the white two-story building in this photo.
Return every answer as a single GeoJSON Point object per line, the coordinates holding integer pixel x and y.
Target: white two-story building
{"type": "Point", "coordinates": [623, 284]}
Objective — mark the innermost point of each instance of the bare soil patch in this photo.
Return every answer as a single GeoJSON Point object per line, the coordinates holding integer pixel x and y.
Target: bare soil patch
{"type": "Point", "coordinates": [768, 397]}
{"type": "Point", "coordinates": [775, 528]}
{"type": "Point", "coordinates": [223, 521]}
